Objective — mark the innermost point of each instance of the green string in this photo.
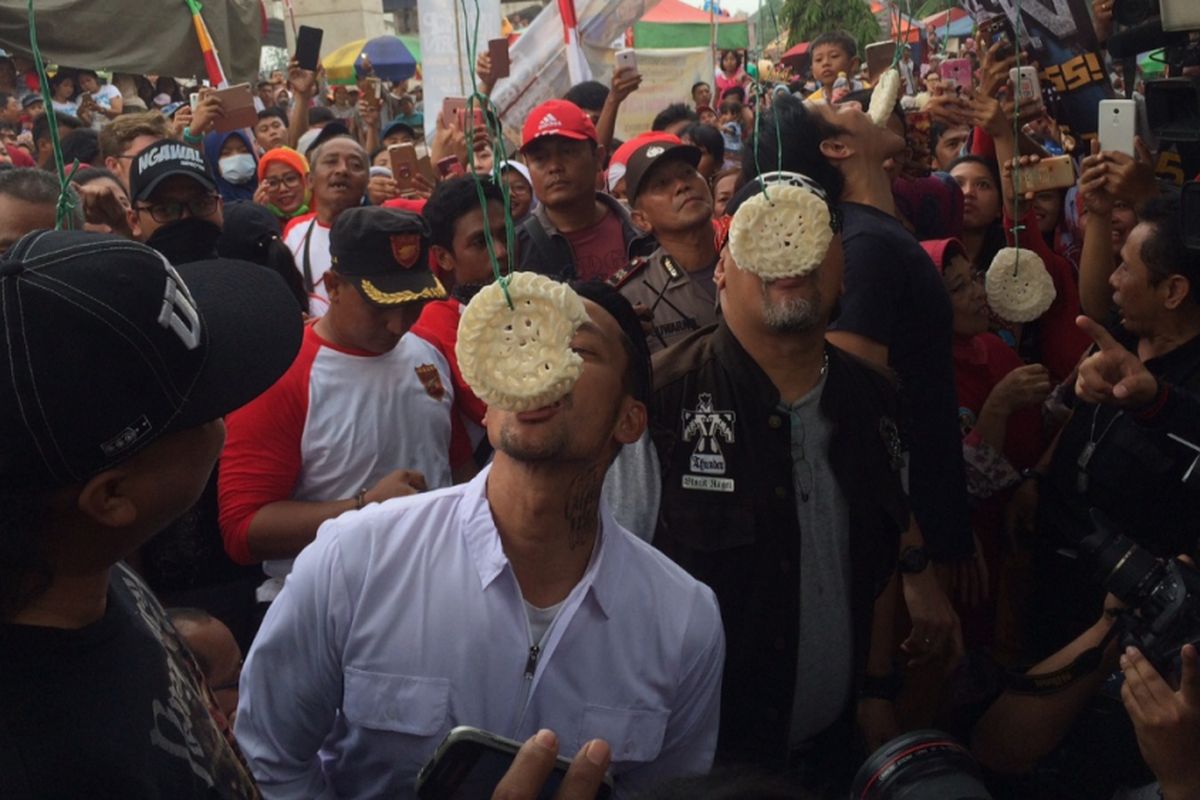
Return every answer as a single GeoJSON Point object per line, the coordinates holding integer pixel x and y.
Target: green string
{"type": "Point", "coordinates": [65, 205]}
{"type": "Point", "coordinates": [758, 91]}
{"type": "Point", "coordinates": [1016, 160]}
{"type": "Point", "coordinates": [499, 157]}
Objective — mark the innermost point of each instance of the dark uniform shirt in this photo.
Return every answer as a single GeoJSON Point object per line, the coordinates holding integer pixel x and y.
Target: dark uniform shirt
{"type": "Point", "coordinates": [681, 303]}
{"type": "Point", "coordinates": [728, 514]}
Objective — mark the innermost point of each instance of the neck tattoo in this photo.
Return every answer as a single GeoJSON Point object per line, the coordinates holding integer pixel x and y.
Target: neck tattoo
{"type": "Point", "coordinates": [583, 503]}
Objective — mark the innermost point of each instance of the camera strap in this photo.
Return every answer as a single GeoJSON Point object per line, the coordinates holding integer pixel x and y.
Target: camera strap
{"type": "Point", "coordinates": [1084, 664]}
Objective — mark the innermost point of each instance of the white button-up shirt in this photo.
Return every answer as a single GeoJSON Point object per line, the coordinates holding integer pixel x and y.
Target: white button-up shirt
{"type": "Point", "coordinates": [405, 619]}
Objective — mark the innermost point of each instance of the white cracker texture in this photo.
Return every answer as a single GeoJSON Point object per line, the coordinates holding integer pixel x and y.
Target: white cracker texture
{"type": "Point", "coordinates": [883, 98]}
{"type": "Point", "coordinates": [785, 236]}
{"type": "Point", "coordinates": [520, 358]}
{"type": "Point", "coordinates": [1019, 289]}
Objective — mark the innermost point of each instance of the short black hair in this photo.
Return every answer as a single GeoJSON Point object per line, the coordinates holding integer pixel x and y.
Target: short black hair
{"type": "Point", "coordinates": [79, 73]}
{"type": "Point", "coordinates": [4, 98]}
{"type": "Point", "coordinates": [452, 200]}
{"type": "Point", "coordinates": [41, 125]}
{"type": "Point", "coordinates": [82, 144]}
{"type": "Point", "coordinates": [60, 76]}
{"type": "Point", "coordinates": [40, 188]}
{"type": "Point", "coordinates": [707, 138]}
{"type": "Point", "coordinates": [733, 53]}
{"type": "Point", "coordinates": [791, 130]}
{"type": "Point", "coordinates": [93, 173]}
{"type": "Point", "coordinates": [838, 38]}
{"type": "Point", "coordinates": [696, 85]}
{"type": "Point", "coordinates": [638, 372]}
{"type": "Point", "coordinates": [732, 91]}
{"type": "Point", "coordinates": [1166, 253]}
{"type": "Point", "coordinates": [673, 114]}
{"type": "Point", "coordinates": [318, 115]}
{"type": "Point", "coordinates": [989, 164]}
{"type": "Point", "coordinates": [273, 111]}
{"type": "Point", "coordinates": [589, 95]}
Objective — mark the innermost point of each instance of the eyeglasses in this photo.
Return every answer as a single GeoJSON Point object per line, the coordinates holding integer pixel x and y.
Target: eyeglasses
{"type": "Point", "coordinates": [291, 181]}
{"type": "Point", "coordinates": [200, 206]}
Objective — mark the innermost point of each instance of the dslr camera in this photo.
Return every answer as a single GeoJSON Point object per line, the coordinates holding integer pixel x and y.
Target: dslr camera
{"type": "Point", "coordinates": [1163, 595]}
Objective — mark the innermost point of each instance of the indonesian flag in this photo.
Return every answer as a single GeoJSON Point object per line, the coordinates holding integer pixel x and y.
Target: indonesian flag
{"type": "Point", "coordinates": [577, 65]}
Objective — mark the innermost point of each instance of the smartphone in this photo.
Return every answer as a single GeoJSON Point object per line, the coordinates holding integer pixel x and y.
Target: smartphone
{"type": "Point", "coordinates": [998, 29]}
{"type": "Point", "coordinates": [498, 53]}
{"type": "Point", "coordinates": [308, 47]}
{"type": "Point", "coordinates": [372, 91]}
{"type": "Point", "coordinates": [453, 109]}
{"type": "Point", "coordinates": [404, 166]}
{"type": "Point", "coordinates": [1049, 173]}
{"type": "Point", "coordinates": [957, 72]}
{"type": "Point", "coordinates": [626, 60]}
{"type": "Point", "coordinates": [470, 762]}
{"type": "Point", "coordinates": [879, 58]}
{"type": "Point", "coordinates": [193, 100]}
{"type": "Point", "coordinates": [1028, 87]}
{"type": "Point", "coordinates": [449, 167]}
{"type": "Point", "coordinates": [426, 169]}
{"type": "Point", "coordinates": [1118, 121]}
{"type": "Point", "coordinates": [238, 104]}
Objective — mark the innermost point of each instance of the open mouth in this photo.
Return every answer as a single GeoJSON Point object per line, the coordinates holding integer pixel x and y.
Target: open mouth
{"type": "Point", "coordinates": [540, 414]}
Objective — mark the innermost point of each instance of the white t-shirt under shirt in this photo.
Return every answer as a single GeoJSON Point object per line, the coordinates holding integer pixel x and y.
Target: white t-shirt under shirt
{"type": "Point", "coordinates": [315, 253]}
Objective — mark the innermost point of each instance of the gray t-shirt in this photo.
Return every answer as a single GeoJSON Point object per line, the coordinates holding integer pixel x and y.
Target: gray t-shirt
{"type": "Point", "coordinates": [825, 662]}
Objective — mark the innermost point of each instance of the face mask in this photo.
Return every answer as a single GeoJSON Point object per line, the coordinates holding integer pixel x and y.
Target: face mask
{"type": "Point", "coordinates": [237, 169]}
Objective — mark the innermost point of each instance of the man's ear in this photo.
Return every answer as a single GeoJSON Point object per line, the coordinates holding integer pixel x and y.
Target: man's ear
{"type": "Point", "coordinates": [103, 500]}
{"type": "Point", "coordinates": [836, 149]}
{"type": "Point", "coordinates": [632, 422]}
{"type": "Point", "coordinates": [640, 221]}
{"type": "Point", "coordinates": [333, 285]}
{"type": "Point", "coordinates": [1177, 289]}
{"type": "Point", "coordinates": [111, 164]}
{"type": "Point", "coordinates": [719, 273]}
{"type": "Point", "coordinates": [135, 228]}
{"type": "Point", "coordinates": [443, 257]}
{"type": "Point", "coordinates": [601, 152]}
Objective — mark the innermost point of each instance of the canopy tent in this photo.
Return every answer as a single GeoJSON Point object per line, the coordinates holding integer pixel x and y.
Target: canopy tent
{"type": "Point", "coordinates": [673, 24]}
{"type": "Point", "coordinates": [123, 36]}
{"type": "Point", "coordinates": [911, 28]}
{"type": "Point", "coordinates": [796, 59]}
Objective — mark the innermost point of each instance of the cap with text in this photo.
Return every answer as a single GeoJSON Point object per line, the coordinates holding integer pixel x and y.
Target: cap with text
{"type": "Point", "coordinates": [110, 348]}
{"type": "Point", "coordinates": [164, 159]}
{"type": "Point", "coordinates": [385, 253]}
{"type": "Point", "coordinates": [558, 118]}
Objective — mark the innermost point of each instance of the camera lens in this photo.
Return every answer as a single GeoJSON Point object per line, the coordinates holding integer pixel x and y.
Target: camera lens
{"type": "Point", "coordinates": [1124, 568]}
{"type": "Point", "coordinates": [922, 765]}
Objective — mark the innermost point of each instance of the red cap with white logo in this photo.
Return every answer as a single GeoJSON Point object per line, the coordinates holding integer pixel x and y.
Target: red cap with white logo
{"type": "Point", "coordinates": [558, 118]}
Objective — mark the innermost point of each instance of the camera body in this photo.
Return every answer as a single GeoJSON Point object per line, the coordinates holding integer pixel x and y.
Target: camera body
{"type": "Point", "coordinates": [1163, 595]}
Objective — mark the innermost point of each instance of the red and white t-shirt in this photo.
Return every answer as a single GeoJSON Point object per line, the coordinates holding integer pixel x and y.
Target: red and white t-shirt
{"type": "Point", "coordinates": [306, 227]}
{"type": "Point", "coordinates": [438, 325]}
{"type": "Point", "coordinates": [335, 423]}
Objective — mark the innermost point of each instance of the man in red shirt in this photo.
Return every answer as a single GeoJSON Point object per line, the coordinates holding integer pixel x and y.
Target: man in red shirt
{"type": "Point", "coordinates": [576, 232]}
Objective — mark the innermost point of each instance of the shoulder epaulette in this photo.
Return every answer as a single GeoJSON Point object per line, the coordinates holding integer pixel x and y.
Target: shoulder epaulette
{"type": "Point", "coordinates": [626, 274]}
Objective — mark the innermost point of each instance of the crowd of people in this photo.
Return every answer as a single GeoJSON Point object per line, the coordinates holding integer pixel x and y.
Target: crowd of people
{"type": "Point", "coordinates": [262, 537]}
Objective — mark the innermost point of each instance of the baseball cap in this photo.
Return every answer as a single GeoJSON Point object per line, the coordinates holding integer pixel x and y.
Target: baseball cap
{"type": "Point", "coordinates": [31, 100]}
{"type": "Point", "coordinates": [164, 159]}
{"type": "Point", "coordinates": [648, 155]}
{"type": "Point", "coordinates": [153, 349]}
{"type": "Point", "coordinates": [620, 157]}
{"type": "Point", "coordinates": [558, 118]}
{"type": "Point", "coordinates": [397, 126]}
{"type": "Point", "coordinates": [385, 253]}
{"type": "Point", "coordinates": [330, 130]}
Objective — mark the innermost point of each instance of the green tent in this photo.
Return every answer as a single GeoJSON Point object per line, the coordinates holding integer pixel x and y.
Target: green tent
{"type": "Point", "coordinates": [674, 24]}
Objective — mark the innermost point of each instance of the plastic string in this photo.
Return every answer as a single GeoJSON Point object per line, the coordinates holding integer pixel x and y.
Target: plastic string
{"type": "Point", "coordinates": [499, 157]}
{"type": "Point", "coordinates": [62, 211]}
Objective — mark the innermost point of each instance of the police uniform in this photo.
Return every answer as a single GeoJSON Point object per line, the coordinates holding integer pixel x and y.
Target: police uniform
{"type": "Point", "coordinates": [679, 302]}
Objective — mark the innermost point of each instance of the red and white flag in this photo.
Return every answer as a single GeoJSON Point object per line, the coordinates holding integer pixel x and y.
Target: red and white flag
{"type": "Point", "coordinates": [577, 65]}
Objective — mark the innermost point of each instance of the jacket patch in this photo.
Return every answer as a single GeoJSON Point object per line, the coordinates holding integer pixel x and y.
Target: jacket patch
{"type": "Point", "coordinates": [708, 428]}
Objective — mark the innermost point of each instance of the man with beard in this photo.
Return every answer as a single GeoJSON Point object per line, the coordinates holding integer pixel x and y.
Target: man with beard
{"type": "Point", "coordinates": [781, 490]}
{"type": "Point", "coordinates": [175, 206]}
{"type": "Point", "coordinates": [339, 179]}
{"type": "Point", "coordinates": [513, 603]}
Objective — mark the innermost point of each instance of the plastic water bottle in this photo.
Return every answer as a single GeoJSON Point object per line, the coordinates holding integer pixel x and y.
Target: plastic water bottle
{"type": "Point", "coordinates": [841, 88]}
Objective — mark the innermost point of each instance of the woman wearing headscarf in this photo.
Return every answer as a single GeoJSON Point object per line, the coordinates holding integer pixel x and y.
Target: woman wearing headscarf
{"type": "Point", "coordinates": [231, 158]}
{"type": "Point", "coordinates": [283, 183]}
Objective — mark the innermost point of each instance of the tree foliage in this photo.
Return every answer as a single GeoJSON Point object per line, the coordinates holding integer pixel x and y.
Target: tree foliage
{"type": "Point", "coordinates": [807, 19]}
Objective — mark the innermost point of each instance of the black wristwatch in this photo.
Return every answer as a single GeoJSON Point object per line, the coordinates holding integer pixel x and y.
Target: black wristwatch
{"type": "Point", "coordinates": [912, 560]}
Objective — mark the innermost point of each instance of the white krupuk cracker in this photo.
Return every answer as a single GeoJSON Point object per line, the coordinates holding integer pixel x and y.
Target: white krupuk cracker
{"type": "Point", "coordinates": [785, 236]}
{"type": "Point", "coordinates": [1019, 289]}
{"type": "Point", "coordinates": [520, 358]}
{"type": "Point", "coordinates": [883, 98]}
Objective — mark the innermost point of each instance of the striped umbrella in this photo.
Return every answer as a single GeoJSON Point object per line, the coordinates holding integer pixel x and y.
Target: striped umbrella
{"type": "Point", "coordinates": [389, 56]}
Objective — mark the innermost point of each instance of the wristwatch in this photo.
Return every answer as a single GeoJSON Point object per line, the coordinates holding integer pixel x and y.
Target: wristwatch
{"type": "Point", "coordinates": [913, 560]}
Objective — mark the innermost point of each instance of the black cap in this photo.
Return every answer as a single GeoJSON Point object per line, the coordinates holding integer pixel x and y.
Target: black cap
{"type": "Point", "coordinates": [164, 159]}
{"type": "Point", "coordinates": [330, 130]}
{"type": "Point", "coordinates": [31, 99]}
{"type": "Point", "coordinates": [643, 160]}
{"type": "Point", "coordinates": [385, 252]}
{"type": "Point", "coordinates": [111, 348]}
{"type": "Point", "coordinates": [397, 126]}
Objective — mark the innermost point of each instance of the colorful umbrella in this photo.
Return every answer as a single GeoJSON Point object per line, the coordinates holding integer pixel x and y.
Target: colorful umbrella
{"type": "Point", "coordinates": [389, 56]}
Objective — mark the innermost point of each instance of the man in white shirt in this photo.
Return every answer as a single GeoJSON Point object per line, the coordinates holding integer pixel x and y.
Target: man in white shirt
{"type": "Point", "coordinates": [512, 603]}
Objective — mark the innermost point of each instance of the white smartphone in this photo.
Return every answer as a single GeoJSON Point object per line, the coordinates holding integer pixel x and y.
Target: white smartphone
{"type": "Point", "coordinates": [1028, 87]}
{"type": "Point", "coordinates": [626, 60]}
{"type": "Point", "coordinates": [1118, 121]}
{"type": "Point", "coordinates": [193, 99]}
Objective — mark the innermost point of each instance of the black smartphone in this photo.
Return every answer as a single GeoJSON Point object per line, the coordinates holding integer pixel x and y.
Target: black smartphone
{"type": "Point", "coordinates": [470, 762]}
{"type": "Point", "coordinates": [308, 47]}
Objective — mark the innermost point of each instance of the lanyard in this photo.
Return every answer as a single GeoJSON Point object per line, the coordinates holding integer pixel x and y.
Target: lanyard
{"type": "Point", "coordinates": [307, 262]}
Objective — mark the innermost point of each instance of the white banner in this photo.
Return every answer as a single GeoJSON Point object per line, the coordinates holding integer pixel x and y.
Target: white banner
{"type": "Point", "coordinates": [446, 64]}
{"type": "Point", "coordinates": [667, 77]}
